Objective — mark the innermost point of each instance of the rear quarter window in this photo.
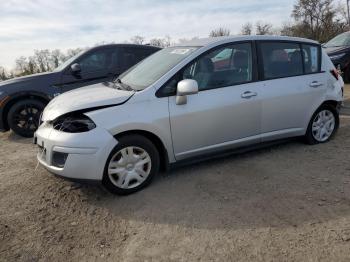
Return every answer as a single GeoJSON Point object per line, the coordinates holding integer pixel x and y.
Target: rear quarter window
{"type": "Point", "coordinates": [312, 58]}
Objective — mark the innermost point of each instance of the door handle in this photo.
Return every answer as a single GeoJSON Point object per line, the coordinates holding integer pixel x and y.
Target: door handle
{"type": "Point", "coordinates": [316, 84]}
{"type": "Point", "coordinates": [248, 94]}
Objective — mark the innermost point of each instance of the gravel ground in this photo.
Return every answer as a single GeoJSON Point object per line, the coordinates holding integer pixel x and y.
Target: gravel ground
{"type": "Point", "coordinates": [289, 202]}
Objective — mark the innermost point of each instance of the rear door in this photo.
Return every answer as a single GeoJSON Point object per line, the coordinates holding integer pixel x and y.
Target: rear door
{"type": "Point", "coordinates": [96, 66]}
{"type": "Point", "coordinates": [293, 84]}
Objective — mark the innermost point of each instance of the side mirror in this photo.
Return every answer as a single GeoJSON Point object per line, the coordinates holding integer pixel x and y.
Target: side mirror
{"type": "Point", "coordinates": [76, 69]}
{"type": "Point", "coordinates": [184, 88]}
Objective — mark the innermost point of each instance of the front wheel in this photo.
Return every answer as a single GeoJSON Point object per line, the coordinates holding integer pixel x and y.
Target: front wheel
{"type": "Point", "coordinates": [131, 165]}
{"type": "Point", "coordinates": [23, 117]}
{"type": "Point", "coordinates": [323, 124]}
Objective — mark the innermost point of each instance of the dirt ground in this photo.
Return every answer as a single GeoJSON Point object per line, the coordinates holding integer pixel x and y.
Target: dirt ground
{"type": "Point", "coordinates": [289, 202]}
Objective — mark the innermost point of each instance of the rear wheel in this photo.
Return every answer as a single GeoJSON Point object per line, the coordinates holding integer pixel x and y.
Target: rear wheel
{"type": "Point", "coordinates": [23, 117]}
{"type": "Point", "coordinates": [323, 124]}
{"type": "Point", "coordinates": [131, 165]}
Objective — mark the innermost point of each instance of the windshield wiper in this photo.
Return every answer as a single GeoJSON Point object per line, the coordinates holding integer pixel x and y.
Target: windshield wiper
{"type": "Point", "coordinates": [118, 84]}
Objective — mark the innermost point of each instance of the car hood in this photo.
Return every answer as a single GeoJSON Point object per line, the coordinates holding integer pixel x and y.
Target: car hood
{"type": "Point", "coordinates": [26, 78]}
{"type": "Point", "coordinates": [85, 99]}
{"type": "Point", "coordinates": [336, 50]}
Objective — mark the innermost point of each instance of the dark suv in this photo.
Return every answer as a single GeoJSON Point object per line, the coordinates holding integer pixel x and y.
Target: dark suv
{"type": "Point", "coordinates": [338, 49]}
{"type": "Point", "coordinates": [23, 99]}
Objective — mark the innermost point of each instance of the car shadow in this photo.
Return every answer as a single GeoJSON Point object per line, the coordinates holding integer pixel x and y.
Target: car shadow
{"type": "Point", "coordinates": [11, 136]}
{"type": "Point", "coordinates": [285, 185]}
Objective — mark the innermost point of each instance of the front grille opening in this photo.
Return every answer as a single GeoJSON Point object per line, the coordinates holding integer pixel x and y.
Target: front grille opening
{"type": "Point", "coordinates": [59, 159]}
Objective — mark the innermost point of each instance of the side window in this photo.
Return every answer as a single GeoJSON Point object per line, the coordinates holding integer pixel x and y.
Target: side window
{"type": "Point", "coordinates": [95, 61]}
{"type": "Point", "coordinates": [225, 66]}
{"type": "Point", "coordinates": [281, 59]}
{"type": "Point", "coordinates": [311, 58]}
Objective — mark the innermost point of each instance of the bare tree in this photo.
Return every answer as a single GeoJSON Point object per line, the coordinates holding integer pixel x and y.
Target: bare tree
{"type": "Point", "coordinates": [220, 32]}
{"type": "Point", "coordinates": [342, 11]}
{"type": "Point", "coordinates": [3, 74]}
{"type": "Point", "coordinates": [247, 29]}
{"type": "Point", "coordinates": [21, 66]}
{"type": "Point", "coordinates": [137, 39]}
{"type": "Point", "coordinates": [287, 29]}
{"type": "Point", "coordinates": [317, 19]}
{"type": "Point", "coordinates": [72, 52]}
{"type": "Point", "coordinates": [348, 10]}
{"type": "Point", "coordinates": [42, 58]}
{"type": "Point", "coordinates": [161, 42]}
{"type": "Point", "coordinates": [56, 58]}
{"type": "Point", "coordinates": [263, 28]}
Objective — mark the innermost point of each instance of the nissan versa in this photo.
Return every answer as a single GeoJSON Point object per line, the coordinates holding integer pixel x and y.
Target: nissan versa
{"type": "Point", "coordinates": [23, 99]}
{"type": "Point", "coordinates": [189, 101]}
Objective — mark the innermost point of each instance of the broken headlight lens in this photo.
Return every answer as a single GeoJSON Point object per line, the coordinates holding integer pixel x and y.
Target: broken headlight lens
{"type": "Point", "coordinates": [73, 123]}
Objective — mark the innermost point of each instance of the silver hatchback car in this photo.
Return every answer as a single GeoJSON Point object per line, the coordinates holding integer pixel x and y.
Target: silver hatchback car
{"type": "Point", "coordinates": [185, 102]}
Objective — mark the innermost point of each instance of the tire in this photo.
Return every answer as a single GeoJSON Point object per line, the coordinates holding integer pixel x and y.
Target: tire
{"type": "Point", "coordinates": [23, 117]}
{"type": "Point", "coordinates": [317, 126]}
{"type": "Point", "coordinates": [123, 174]}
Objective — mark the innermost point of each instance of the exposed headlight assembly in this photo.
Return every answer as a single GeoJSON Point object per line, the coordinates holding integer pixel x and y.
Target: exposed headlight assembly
{"type": "Point", "coordinates": [73, 123]}
{"type": "Point", "coordinates": [335, 57]}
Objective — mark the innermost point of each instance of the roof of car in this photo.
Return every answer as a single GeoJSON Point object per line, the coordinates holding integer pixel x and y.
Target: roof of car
{"type": "Point", "coordinates": [213, 40]}
{"type": "Point", "coordinates": [126, 45]}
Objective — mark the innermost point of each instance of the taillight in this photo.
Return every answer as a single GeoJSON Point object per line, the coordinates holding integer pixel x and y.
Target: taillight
{"type": "Point", "coordinates": [335, 73]}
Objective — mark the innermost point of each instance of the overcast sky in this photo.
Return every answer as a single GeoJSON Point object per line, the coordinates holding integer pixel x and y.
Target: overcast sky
{"type": "Point", "coordinates": [26, 25]}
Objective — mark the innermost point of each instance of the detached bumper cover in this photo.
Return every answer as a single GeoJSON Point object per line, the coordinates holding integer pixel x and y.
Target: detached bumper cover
{"type": "Point", "coordinates": [87, 152]}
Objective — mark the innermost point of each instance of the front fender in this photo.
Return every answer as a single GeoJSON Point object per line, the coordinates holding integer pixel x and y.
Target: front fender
{"type": "Point", "coordinates": [150, 116]}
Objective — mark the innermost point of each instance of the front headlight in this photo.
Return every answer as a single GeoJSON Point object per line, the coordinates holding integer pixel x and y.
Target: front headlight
{"type": "Point", "coordinates": [73, 123]}
{"type": "Point", "coordinates": [335, 57]}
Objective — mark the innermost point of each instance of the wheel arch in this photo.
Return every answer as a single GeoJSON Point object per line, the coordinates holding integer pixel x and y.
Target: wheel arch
{"type": "Point", "coordinates": [18, 97]}
{"type": "Point", "coordinates": [163, 152]}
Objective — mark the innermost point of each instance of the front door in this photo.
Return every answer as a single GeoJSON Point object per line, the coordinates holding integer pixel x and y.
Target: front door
{"type": "Point", "coordinates": [226, 111]}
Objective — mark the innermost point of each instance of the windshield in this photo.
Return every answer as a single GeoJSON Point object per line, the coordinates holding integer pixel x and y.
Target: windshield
{"type": "Point", "coordinates": [340, 40]}
{"type": "Point", "coordinates": [67, 62]}
{"type": "Point", "coordinates": [155, 66]}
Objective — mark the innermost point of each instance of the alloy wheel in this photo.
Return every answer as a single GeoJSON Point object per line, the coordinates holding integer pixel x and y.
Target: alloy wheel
{"type": "Point", "coordinates": [27, 118]}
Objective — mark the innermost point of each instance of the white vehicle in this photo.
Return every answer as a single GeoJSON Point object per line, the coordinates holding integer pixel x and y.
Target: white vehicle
{"type": "Point", "coordinates": [189, 101]}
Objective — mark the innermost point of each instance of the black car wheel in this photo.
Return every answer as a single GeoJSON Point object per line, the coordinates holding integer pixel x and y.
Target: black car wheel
{"type": "Point", "coordinates": [23, 117]}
